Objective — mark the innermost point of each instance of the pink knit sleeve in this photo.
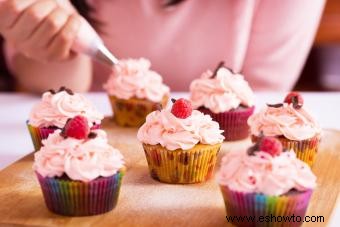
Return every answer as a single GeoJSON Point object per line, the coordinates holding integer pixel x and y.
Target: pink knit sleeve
{"type": "Point", "coordinates": [280, 40]}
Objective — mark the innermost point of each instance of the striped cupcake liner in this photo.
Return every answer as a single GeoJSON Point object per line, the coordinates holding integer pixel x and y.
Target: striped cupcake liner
{"type": "Point", "coordinates": [234, 123]}
{"type": "Point", "coordinates": [181, 166]}
{"type": "Point", "coordinates": [76, 198]}
{"type": "Point", "coordinates": [38, 134]}
{"type": "Point", "coordinates": [306, 150]}
{"type": "Point", "coordinates": [272, 208]}
{"type": "Point", "coordinates": [132, 112]}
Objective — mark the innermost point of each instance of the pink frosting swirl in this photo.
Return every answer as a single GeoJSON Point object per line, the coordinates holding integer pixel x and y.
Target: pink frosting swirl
{"type": "Point", "coordinates": [294, 124]}
{"type": "Point", "coordinates": [263, 173]}
{"type": "Point", "coordinates": [225, 92]}
{"type": "Point", "coordinates": [56, 109]}
{"type": "Point", "coordinates": [133, 78]}
{"type": "Point", "coordinates": [162, 127]}
{"type": "Point", "coordinates": [82, 160]}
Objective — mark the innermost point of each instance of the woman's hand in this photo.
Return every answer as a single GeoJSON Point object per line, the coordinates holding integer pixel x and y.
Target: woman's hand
{"type": "Point", "coordinates": [39, 29]}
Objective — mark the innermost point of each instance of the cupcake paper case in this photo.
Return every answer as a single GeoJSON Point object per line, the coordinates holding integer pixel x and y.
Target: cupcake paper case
{"type": "Point", "coordinates": [55, 109]}
{"type": "Point", "coordinates": [292, 125]}
{"type": "Point", "coordinates": [180, 147]}
{"type": "Point", "coordinates": [135, 91]}
{"type": "Point", "coordinates": [227, 98]}
{"type": "Point", "coordinates": [79, 177]}
{"type": "Point", "coordinates": [264, 181]}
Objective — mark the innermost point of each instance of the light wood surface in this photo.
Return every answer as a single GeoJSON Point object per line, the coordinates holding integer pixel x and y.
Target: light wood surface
{"type": "Point", "coordinates": [146, 202]}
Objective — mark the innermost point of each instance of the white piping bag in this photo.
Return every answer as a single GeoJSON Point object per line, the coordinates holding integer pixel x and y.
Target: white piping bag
{"type": "Point", "coordinates": [88, 42]}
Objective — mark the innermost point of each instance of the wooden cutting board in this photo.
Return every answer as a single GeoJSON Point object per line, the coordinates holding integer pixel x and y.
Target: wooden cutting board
{"type": "Point", "coordinates": [146, 202]}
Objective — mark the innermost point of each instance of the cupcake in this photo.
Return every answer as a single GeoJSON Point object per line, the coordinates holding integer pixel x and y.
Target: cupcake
{"type": "Point", "coordinates": [55, 109]}
{"type": "Point", "coordinates": [291, 124]}
{"type": "Point", "coordinates": [180, 145]}
{"type": "Point", "coordinates": [79, 172]}
{"type": "Point", "coordinates": [134, 91]}
{"type": "Point", "coordinates": [266, 181]}
{"type": "Point", "coordinates": [227, 98]}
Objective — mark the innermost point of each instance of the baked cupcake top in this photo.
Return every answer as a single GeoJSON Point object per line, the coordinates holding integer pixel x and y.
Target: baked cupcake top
{"type": "Point", "coordinates": [288, 119]}
{"type": "Point", "coordinates": [133, 78]}
{"type": "Point", "coordinates": [265, 168]}
{"type": "Point", "coordinates": [180, 128]}
{"type": "Point", "coordinates": [221, 90]}
{"type": "Point", "coordinates": [55, 108]}
{"type": "Point", "coordinates": [83, 155]}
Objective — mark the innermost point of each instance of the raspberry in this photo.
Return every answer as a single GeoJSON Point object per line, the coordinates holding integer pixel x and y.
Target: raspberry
{"type": "Point", "coordinates": [295, 98]}
{"type": "Point", "coordinates": [181, 108]}
{"type": "Point", "coordinates": [271, 145]}
{"type": "Point", "coordinates": [77, 128]}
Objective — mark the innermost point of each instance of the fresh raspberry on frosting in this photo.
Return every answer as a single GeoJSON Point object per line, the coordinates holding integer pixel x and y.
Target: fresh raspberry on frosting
{"type": "Point", "coordinates": [77, 128]}
{"type": "Point", "coordinates": [181, 108]}
{"type": "Point", "coordinates": [271, 145]}
{"type": "Point", "coordinates": [295, 98]}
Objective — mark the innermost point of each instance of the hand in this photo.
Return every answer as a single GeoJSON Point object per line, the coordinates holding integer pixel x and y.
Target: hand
{"type": "Point", "coordinates": [39, 29]}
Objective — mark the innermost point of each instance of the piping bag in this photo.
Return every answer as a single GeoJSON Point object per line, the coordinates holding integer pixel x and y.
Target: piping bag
{"type": "Point", "coordinates": [88, 42]}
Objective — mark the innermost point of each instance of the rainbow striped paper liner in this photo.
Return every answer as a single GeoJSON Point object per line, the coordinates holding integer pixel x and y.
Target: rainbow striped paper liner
{"type": "Point", "coordinates": [234, 123]}
{"type": "Point", "coordinates": [132, 112]}
{"type": "Point", "coordinates": [181, 166]}
{"type": "Point", "coordinates": [77, 198]}
{"type": "Point", "coordinates": [38, 134]}
{"type": "Point", "coordinates": [242, 204]}
{"type": "Point", "coordinates": [306, 150]}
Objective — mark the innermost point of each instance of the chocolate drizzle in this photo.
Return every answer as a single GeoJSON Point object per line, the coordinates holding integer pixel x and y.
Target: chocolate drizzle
{"type": "Point", "coordinates": [92, 135]}
{"type": "Point", "coordinates": [251, 150]}
{"type": "Point", "coordinates": [63, 88]}
{"type": "Point", "coordinates": [69, 91]}
{"type": "Point", "coordinates": [296, 104]}
{"type": "Point", "coordinates": [62, 134]}
{"type": "Point", "coordinates": [277, 105]}
{"type": "Point", "coordinates": [52, 91]}
{"type": "Point", "coordinates": [220, 65]}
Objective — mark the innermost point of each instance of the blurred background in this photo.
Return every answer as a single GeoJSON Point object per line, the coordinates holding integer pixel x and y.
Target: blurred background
{"type": "Point", "coordinates": [322, 68]}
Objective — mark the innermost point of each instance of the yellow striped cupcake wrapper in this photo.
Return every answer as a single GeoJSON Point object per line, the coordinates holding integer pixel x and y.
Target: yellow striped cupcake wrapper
{"type": "Point", "coordinates": [181, 166]}
{"type": "Point", "coordinates": [306, 150]}
{"type": "Point", "coordinates": [132, 112]}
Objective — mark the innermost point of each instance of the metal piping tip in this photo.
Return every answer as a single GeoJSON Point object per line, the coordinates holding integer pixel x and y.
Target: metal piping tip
{"type": "Point", "coordinates": [103, 55]}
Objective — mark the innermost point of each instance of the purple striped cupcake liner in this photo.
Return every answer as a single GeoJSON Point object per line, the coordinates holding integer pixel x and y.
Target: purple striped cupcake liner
{"type": "Point", "coordinates": [77, 198]}
{"type": "Point", "coordinates": [40, 133]}
{"type": "Point", "coordinates": [272, 208]}
{"type": "Point", "coordinates": [234, 122]}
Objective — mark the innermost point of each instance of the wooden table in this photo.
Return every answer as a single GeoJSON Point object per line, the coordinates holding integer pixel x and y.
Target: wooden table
{"type": "Point", "coordinates": [146, 202]}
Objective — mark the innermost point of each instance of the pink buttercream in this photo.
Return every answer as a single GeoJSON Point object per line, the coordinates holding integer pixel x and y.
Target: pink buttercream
{"type": "Point", "coordinates": [133, 78]}
{"type": "Point", "coordinates": [225, 92]}
{"type": "Point", "coordinates": [294, 124]}
{"type": "Point", "coordinates": [83, 160]}
{"type": "Point", "coordinates": [162, 127]}
{"type": "Point", "coordinates": [263, 173]}
{"type": "Point", "coordinates": [56, 109]}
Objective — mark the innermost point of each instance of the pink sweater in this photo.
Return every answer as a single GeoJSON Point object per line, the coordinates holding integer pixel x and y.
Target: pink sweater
{"type": "Point", "coordinates": [267, 40]}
